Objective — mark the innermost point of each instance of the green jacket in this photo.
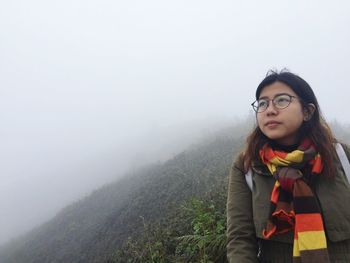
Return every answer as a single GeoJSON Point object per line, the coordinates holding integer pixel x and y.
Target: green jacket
{"type": "Point", "coordinates": [248, 212]}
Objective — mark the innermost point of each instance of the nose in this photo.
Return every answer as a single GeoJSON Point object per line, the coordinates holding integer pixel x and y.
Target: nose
{"type": "Point", "coordinates": [271, 108]}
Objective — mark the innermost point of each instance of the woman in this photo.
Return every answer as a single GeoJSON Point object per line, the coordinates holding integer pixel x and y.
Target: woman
{"type": "Point", "coordinates": [299, 207]}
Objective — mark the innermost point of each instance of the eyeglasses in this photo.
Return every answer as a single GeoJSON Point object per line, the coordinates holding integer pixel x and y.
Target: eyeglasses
{"type": "Point", "coordinates": [281, 101]}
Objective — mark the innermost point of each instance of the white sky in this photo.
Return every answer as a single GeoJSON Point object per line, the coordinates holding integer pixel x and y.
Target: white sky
{"type": "Point", "coordinates": [83, 84]}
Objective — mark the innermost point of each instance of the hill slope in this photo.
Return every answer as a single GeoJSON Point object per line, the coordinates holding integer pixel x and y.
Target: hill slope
{"type": "Point", "coordinates": [93, 229]}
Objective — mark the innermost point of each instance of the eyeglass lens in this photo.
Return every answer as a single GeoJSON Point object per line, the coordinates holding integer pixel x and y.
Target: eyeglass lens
{"type": "Point", "coordinates": [281, 101]}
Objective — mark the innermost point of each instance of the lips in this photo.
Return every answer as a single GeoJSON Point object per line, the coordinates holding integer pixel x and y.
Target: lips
{"type": "Point", "coordinates": [272, 123]}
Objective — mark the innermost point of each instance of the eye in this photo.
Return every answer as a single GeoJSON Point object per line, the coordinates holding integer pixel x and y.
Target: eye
{"type": "Point", "coordinates": [262, 103]}
{"type": "Point", "coordinates": [282, 100]}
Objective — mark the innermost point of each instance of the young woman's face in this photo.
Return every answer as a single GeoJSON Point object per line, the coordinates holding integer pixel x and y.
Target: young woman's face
{"type": "Point", "coordinates": [281, 125]}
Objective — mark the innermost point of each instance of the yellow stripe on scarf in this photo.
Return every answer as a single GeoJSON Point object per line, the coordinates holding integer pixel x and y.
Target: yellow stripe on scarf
{"type": "Point", "coordinates": [296, 156]}
{"type": "Point", "coordinates": [308, 241]}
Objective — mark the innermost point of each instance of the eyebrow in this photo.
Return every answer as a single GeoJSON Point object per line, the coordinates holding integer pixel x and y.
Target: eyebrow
{"type": "Point", "coordinates": [278, 94]}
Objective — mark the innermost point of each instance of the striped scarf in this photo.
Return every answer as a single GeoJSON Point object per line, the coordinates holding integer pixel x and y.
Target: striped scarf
{"type": "Point", "coordinates": [293, 204]}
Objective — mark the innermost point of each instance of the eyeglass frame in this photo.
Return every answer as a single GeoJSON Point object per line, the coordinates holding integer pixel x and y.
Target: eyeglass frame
{"type": "Point", "coordinates": [274, 104]}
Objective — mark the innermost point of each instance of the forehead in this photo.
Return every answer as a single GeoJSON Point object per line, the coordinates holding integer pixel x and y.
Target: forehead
{"type": "Point", "coordinates": [276, 88]}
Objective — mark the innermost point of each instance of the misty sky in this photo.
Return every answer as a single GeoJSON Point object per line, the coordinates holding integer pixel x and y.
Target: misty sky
{"type": "Point", "coordinates": [88, 89]}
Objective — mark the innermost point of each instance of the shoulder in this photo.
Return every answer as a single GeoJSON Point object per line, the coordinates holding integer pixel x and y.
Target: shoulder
{"type": "Point", "coordinates": [238, 161]}
{"type": "Point", "coordinates": [346, 148]}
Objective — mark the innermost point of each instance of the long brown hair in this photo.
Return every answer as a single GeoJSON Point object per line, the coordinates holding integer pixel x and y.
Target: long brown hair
{"type": "Point", "coordinates": [316, 129]}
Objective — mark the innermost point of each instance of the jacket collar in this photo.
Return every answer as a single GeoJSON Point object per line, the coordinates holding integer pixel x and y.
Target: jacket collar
{"type": "Point", "coordinates": [260, 168]}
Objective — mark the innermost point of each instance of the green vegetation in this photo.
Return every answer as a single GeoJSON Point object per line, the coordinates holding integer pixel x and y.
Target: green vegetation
{"type": "Point", "coordinates": [204, 239]}
{"type": "Point", "coordinates": [207, 242]}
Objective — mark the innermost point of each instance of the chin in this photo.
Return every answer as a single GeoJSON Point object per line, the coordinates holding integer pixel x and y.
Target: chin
{"type": "Point", "coordinates": [280, 139]}
{"type": "Point", "coordinates": [273, 136]}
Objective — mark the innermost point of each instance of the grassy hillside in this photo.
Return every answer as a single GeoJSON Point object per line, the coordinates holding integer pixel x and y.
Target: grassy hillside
{"type": "Point", "coordinates": [149, 202]}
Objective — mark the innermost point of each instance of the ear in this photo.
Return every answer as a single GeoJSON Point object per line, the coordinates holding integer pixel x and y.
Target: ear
{"type": "Point", "coordinates": [309, 111]}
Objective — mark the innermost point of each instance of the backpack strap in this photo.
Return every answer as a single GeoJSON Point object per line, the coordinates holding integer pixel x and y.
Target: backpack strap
{"type": "Point", "coordinates": [342, 157]}
{"type": "Point", "coordinates": [249, 179]}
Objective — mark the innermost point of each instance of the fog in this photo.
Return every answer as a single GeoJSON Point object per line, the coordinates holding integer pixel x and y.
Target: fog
{"type": "Point", "coordinates": [92, 89]}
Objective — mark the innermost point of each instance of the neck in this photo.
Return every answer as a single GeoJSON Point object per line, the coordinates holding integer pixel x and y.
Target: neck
{"type": "Point", "coordinates": [286, 148]}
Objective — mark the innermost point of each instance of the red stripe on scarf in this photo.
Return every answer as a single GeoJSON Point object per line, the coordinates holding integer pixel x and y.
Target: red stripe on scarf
{"type": "Point", "coordinates": [309, 222]}
{"type": "Point", "coordinates": [275, 194]}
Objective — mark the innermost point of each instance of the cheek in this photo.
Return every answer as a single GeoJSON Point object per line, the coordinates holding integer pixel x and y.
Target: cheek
{"type": "Point", "coordinates": [259, 120]}
{"type": "Point", "coordinates": [298, 117]}
{"type": "Point", "coordinates": [301, 121]}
